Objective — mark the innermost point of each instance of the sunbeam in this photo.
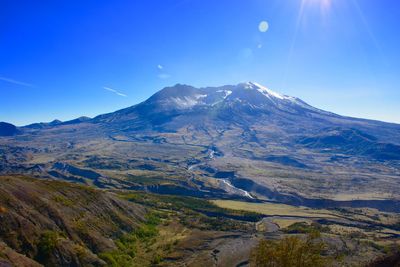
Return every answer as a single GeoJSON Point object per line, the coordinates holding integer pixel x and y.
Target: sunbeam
{"type": "Point", "coordinates": [325, 6]}
{"type": "Point", "coordinates": [368, 28]}
{"type": "Point", "coordinates": [293, 42]}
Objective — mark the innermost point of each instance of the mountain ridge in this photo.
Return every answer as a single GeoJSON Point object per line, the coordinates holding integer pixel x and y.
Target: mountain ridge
{"type": "Point", "coordinates": [220, 89]}
{"type": "Point", "coordinates": [182, 137]}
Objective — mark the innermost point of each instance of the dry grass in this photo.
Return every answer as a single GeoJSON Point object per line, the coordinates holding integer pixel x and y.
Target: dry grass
{"type": "Point", "coordinates": [273, 209]}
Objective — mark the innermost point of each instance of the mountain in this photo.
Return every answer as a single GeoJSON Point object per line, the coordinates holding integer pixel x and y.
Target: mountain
{"type": "Point", "coordinates": [8, 129]}
{"type": "Point", "coordinates": [56, 122]}
{"type": "Point", "coordinates": [246, 100]}
{"type": "Point", "coordinates": [242, 140]}
{"type": "Point", "coordinates": [243, 104]}
{"type": "Point", "coordinates": [250, 104]}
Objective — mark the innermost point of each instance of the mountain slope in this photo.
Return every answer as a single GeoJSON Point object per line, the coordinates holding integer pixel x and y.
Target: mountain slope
{"type": "Point", "coordinates": [240, 140]}
{"type": "Point", "coordinates": [252, 105]}
{"type": "Point", "coordinates": [60, 224]}
{"type": "Point", "coordinates": [244, 104]}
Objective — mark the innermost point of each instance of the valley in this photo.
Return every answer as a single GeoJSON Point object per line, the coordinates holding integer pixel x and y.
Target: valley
{"type": "Point", "coordinates": [63, 225]}
{"type": "Point", "coordinates": [205, 171]}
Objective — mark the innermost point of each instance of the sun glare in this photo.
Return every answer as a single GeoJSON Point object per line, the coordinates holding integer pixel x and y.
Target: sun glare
{"type": "Point", "coordinates": [324, 4]}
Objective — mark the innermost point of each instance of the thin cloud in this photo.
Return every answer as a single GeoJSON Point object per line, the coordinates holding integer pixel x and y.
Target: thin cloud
{"type": "Point", "coordinates": [114, 91]}
{"type": "Point", "coordinates": [8, 80]}
{"type": "Point", "coordinates": [164, 76]}
{"type": "Point", "coordinates": [162, 73]}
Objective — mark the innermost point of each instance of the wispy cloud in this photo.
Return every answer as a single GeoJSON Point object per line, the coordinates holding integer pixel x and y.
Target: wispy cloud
{"type": "Point", "coordinates": [162, 73]}
{"type": "Point", "coordinates": [114, 91]}
{"type": "Point", "coordinates": [8, 80]}
{"type": "Point", "coordinates": [163, 76]}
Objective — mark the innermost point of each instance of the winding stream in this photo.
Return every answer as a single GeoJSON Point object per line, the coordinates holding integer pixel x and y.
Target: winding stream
{"type": "Point", "coordinates": [240, 191]}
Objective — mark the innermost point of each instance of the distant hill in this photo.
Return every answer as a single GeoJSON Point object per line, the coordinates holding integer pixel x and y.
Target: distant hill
{"type": "Point", "coordinates": [8, 129]}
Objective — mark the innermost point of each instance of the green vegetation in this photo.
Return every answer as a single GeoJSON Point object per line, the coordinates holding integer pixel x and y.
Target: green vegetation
{"type": "Point", "coordinates": [178, 230]}
{"type": "Point", "coordinates": [128, 244]}
{"type": "Point", "coordinates": [196, 213]}
{"type": "Point", "coordinates": [63, 200]}
{"type": "Point", "coordinates": [47, 243]}
{"type": "Point", "coordinates": [145, 180]}
{"type": "Point", "coordinates": [183, 203]}
{"type": "Point", "coordinates": [290, 252]}
{"type": "Point", "coordinates": [304, 228]}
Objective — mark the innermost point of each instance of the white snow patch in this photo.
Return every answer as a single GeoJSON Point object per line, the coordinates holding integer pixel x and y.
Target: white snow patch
{"type": "Point", "coordinates": [184, 102]}
{"type": "Point", "coordinates": [200, 96]}
{"type": "Point", "coordinates": [226, 92]}
{"type": "Point", "coordinates": [267, 92]}
{"type": "Point", "coordinates": [187, 101]}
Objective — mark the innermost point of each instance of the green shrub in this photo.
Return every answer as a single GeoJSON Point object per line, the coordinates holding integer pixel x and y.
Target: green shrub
{"type": "Point", "coordinates": [63, 200]}
{"type": "Point", "coordinates": [305, 228]}
{"type": "Point", "coordinates": [127, 244]}
{"type": "Point", "coordinates": [289, 252]}
{"type": "Point", "coordinates": [156, 259]}
{"type": "Point", "coordinates": [117, 259]}
{"type": "Point", "coordinates": [145, 232]}
{"type": "Point", "coordinates": [47, 243]}
{"type": "Point", "coordinates": [188, 204]}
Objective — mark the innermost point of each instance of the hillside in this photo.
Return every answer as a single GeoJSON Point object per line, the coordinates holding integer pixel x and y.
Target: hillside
{"type": "Point", "coordinates": [60, 224]}
{"type": "Point", "coordinates": [54, 223]}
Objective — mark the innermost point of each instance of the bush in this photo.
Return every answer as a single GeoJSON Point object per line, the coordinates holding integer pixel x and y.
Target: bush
{"type": "Point", "coordinates": [392, 259]}
{"type": "Point", "coordinates": [189, 204]}
{"type": "Point", "coordinates": [127, 244]}
{"type": "Point", "coordinates": [305, 228]}
{"type": "Point", "coordinates": [117, 259]}
{"type": "Point", "coordinates": [47, 243]}
{"type": "Point", "coordinates": [156, 259]}
{"type": "Point", "coordinates": [289, 252]}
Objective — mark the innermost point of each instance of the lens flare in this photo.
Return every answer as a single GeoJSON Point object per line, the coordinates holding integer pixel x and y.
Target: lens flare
{"type": "Point", "coordinates": [323, 4]}
{"type": "Point", "coordinates": [263, 26]}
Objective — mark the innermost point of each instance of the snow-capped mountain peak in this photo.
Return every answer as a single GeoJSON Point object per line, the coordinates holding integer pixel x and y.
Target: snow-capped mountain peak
{"type": "Point", "coordinates": [266, 91]}
{"type": "Point", "coordinates": [180, 98]}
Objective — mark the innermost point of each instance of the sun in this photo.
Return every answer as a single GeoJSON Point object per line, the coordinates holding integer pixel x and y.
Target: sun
{"type": "Point", "coordinates": [324, 4]}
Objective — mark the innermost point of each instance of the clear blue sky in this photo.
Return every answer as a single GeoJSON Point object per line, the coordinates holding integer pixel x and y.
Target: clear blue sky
{"type": "Point", "coordinates": [57, 57]}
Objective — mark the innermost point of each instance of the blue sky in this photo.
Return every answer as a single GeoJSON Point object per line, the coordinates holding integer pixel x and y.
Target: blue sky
{"type": "Point", "coordinates": [65, 59]}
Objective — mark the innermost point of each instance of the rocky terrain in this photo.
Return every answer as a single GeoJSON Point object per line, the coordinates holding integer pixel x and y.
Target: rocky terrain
{"type": "Point", "coordinates": [192, 174]}
{"type": "Point", "coordinates": [53, 223]}
{"type": "Point", "coordinates": [231, 141]}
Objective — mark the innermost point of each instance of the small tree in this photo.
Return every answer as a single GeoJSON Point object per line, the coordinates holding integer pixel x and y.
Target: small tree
{"type": "Point", "coordinates": [289, 252]}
